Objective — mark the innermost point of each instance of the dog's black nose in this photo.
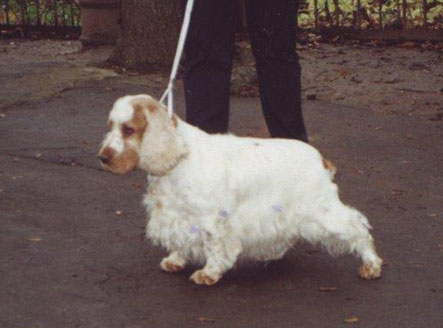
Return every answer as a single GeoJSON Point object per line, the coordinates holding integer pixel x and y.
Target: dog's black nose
{"type": "Point", "coordinates": [103, 159]}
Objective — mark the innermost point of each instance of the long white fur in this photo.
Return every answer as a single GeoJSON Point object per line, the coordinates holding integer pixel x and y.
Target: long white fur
{"type": "Point", "coordinates": [228, 198]}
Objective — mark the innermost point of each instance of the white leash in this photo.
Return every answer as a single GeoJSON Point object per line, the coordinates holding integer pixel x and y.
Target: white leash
{"type": "Point", "coordinates": [178, 54]}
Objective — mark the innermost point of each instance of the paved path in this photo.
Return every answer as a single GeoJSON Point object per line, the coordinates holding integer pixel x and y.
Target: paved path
{"type": "Point", "coordinates": [68, 260]}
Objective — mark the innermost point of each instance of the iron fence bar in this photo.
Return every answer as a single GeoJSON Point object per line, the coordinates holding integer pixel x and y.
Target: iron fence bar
{"type": "Point", "coordinates": [380, 14]}
{"type": "Point", "coordinates": [23, 12]}
{"type": "Point", "coordinates": [7, 11]}
{"type": "Point", "coordinates": [37, 9]}
{"type": "Point", "coordinates": [316, 14]}
{"type": "Point", "coordinates": [71, 7]}
{"type": "Point", "coordinates": [404, 18]}
{"type": "Point", "coordinates": [397, 5]}
{"type": "Point", "coordinates": [425, 14]}
{"type": "Point", "coordinates": [328, 13]}
{"type": "Point", "coordinates": [337, 10]}
{"type": "Point", "coordinates": [55, 8]}
{"type": "Point", "coordinates": [353, 13]}
{"type": "Point", "coordinates": [63, 6]}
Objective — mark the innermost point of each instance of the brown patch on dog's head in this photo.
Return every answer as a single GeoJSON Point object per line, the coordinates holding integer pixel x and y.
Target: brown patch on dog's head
{"type": "Point", "coordinates": [328, 165]}
{"type": "Point", "coordinates": [136, 127]}
{"type": "Point", "coordinates": [174, 120]}
{"type": "Point", "coordinates": [158, 205]}
{"type": "Point", "coordinates": [125, 162]}
{"type": "Point", "coordinates": [146, 102]}
{"type": "Point", "coordinates": [119, 163]}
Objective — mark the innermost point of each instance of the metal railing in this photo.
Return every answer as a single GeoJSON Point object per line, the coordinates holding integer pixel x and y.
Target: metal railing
{"type": "Point", "coordinates": [365, 16]}
{"type": "Point", "coordinates": [25, 17]}
{"type": "Point", "coordinates": [373, 14]}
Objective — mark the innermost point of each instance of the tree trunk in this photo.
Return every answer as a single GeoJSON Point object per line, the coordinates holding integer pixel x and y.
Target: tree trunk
{"type": "Point", "coordinates": [149, 34]}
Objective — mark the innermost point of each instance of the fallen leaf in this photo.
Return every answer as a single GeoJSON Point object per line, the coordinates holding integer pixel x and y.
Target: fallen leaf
{"type": "Point", "coordinates": [118, 213]}
{"type": "Point", "coordinates": [392, 80]}
{"type": "Point", "coordinates": [2, 115]}
{"type": "Point", "coordinates": [432, 215]}
{"type": "Point", "coordinates": [427, 45]}
{"type": "Point", "coordinates": [407, 44]}
{"type": "Point", "coordinates": [351, 320]}
{"type": "Point", "coordinates": [327, 289]}
{"type": "Point", "coordinates": [205, 320]}
{"type": "Point", "coordinates": [312, 97]}
{"type": "Point", "coordinates": [437, 117]}
{"type": "Point", "coordinates": [34, 238]}
{"type": "Point", "coordinates": [344, 73]}
{"type": "Point", "coordinates": [356, 79]}
{"type": "Point", "coordinates": [38, 155]}
{"type": "Point", "coordinates": [137, 185]}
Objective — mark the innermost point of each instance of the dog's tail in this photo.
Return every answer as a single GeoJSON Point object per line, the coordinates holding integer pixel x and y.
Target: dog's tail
{"type": "Point", "coordinates": [330, 167]}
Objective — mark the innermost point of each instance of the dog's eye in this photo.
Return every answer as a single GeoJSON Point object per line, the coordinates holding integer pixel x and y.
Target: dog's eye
{"type": "Point", "coordinates": [127, 131]}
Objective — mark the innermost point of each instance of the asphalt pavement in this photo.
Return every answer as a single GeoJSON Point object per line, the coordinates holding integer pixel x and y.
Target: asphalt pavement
{"type": "Point", "coordinates": [73, 251]}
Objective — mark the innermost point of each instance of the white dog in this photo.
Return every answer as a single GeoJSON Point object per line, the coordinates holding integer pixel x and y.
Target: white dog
{"type": "Point", "coordinates": [213, 199]}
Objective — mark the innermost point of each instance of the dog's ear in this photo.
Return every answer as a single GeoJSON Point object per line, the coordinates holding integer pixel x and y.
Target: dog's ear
{"type": "Point", "coordinates": [161, 148]}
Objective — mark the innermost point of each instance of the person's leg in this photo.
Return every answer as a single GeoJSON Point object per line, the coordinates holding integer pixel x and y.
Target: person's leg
{"type": "Point", "coordinates": [208, 64]}
{"type": "Point", "coordinates": [272, 32]}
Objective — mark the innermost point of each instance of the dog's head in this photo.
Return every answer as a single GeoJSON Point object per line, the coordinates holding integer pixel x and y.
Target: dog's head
{"type": "Point", "coordinates": [141, 134]}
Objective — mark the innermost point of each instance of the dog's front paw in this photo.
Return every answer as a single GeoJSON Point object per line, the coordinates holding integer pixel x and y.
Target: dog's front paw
{"type": "Point", "coordinates": [370, 271]}
{"type": "Point", "coordinates": [200, 277]}
{"type": "Point", "coordinates": [169, 265]}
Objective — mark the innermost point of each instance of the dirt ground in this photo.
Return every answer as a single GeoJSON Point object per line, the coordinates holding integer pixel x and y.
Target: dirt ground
{"type": "Point", "coordinates": [72, 246]}
{"type": "Point", "coordinates": [406, 79]}
{"type": "Point", "coordinates": [391, 79]}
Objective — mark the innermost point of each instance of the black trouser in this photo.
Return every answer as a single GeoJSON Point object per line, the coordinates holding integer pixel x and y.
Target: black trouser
{"type": "Point", "coordinates": [209, 56]}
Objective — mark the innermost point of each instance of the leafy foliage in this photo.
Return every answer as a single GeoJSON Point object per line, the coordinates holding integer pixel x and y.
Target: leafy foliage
{"type": "Point", "coordinates": [40, 12]}
{"type": "Point", "coordinates": [330, 12]}
{"type": "Point", "coordinates": [345, 12]}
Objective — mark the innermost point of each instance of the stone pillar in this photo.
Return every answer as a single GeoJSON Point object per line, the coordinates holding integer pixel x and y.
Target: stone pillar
{"type": "Point", "coordinates": [100, 21]}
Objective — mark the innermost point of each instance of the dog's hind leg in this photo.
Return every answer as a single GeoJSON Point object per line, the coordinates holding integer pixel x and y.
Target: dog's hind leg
{"type": "Point", "coordinates": [343, 229]}
{"type": "Point", "coordinates": [173, 263]}
{"type": "Point", "coordinates": [221, 253]}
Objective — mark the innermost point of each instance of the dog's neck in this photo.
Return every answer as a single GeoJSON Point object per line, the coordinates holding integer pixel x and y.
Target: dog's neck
{"type": "Point", "coordinates": [187, 137]}
{"type": "Point", "coordinates": [188, 132]}
{"type": "Point", "coordinates": [183, 137]}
